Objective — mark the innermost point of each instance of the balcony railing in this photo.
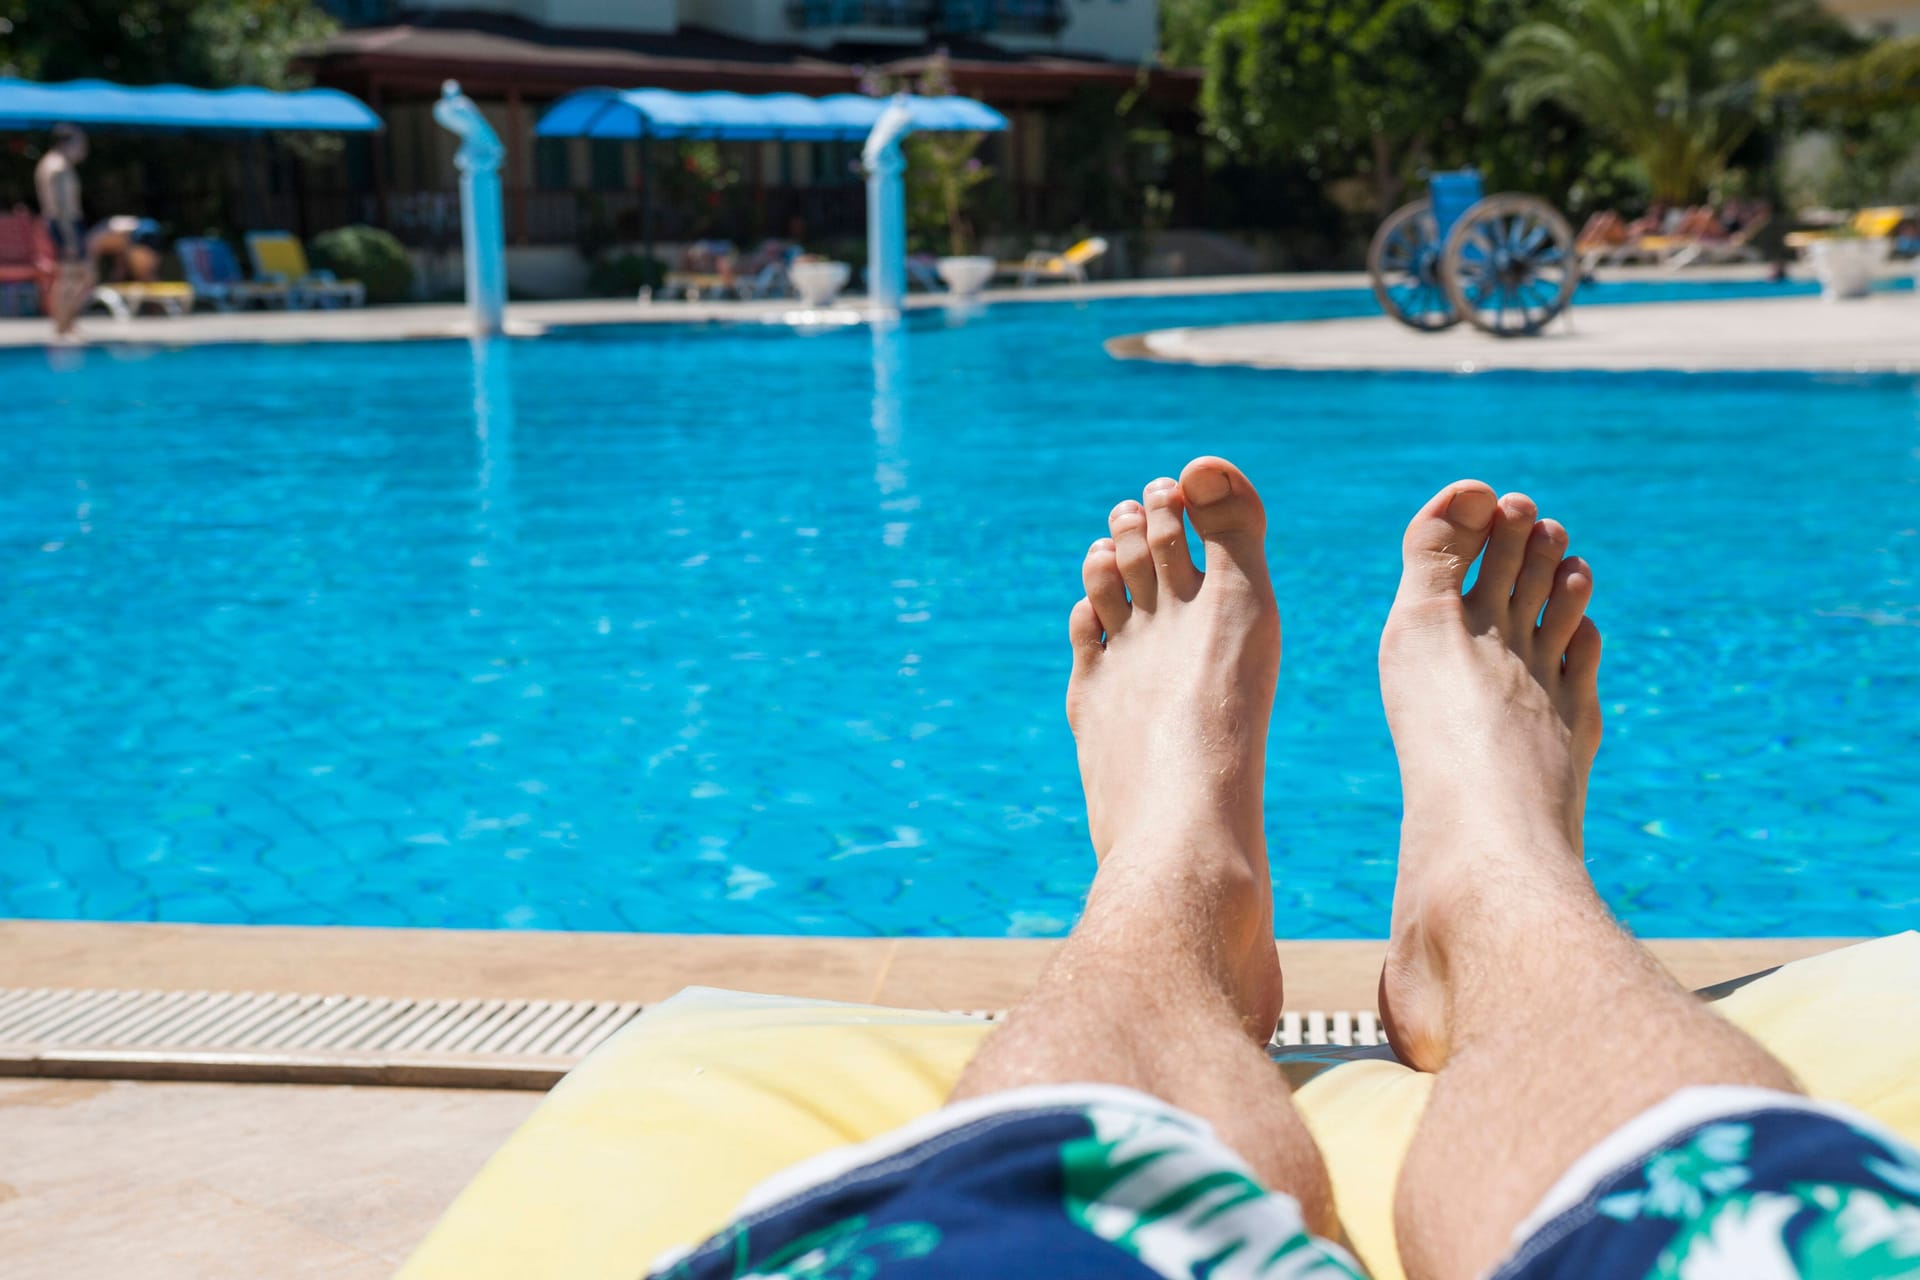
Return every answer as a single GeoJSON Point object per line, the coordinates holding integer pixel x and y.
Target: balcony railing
{"type": "Point", "coordinates": [860, 13]}
{"type": "Point", "coordinates": [947, 17]}
{"type": "Point", "coordinates": [1042, 17]}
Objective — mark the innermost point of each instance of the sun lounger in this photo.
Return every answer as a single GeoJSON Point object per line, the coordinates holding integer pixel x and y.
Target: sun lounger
{"type": "Point", "coordinates": [764, 272]}
{"type": "Point", "coordinates": [1674, 252]}
{"type": "Point", "coordinates": [126, 299]}
{"type": "Point", "coordinates": [280, 258]}
{"type": "Point", "coordinates": [704, 268]}
{"type": "Point", "coordinates": [214, 273]}
{"type": "Point", "coordinates": [1043, 264]}
{"type": "Point", "coordinates": [652, 1141]}
{"type": "Point", "coordinates": [1876, 223]}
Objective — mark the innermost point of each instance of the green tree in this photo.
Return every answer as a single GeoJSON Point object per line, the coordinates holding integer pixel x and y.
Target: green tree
{"type": "Point", "coordinates": [1671, 83]}
{"type": "Point", "coordinates": [1868, 106]}
{"type": "Point", "coordinates": [207, 43]}
{"type": "Point", "coordinates": [1374, 87]}
{"type": "Point", "coordinates": [1883, 77]}
{"type": "Point", "coordinates": [943, 168]}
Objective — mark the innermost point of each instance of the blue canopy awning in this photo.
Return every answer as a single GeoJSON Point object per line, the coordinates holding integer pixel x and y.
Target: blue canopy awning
{"type": "Point", "coordinates": [664, 113]}
{"type": "Point", "coordinates": [25, 104]}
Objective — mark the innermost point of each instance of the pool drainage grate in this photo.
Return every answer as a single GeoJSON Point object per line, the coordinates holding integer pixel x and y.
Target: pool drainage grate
{"type": "Point", "coordinates": [375, 1040]}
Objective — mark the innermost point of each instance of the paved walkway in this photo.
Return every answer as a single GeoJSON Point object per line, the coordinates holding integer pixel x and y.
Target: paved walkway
{"type": "Point", "coordinates": [1878, 334]}
{"type": "Point", "coordinates": [211, 1181]}
{"type": "Point", "coordinates": [527, 319]}
{"type": "Point", "coordinates": [391, 324]}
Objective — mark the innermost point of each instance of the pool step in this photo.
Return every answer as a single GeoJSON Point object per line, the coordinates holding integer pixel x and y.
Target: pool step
{"type": "Point", "coordinates": [374, 1040]}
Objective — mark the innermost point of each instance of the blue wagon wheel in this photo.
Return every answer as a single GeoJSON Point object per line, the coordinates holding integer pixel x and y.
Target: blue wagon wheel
{"type": "Point", "coordinates": [1404, 261]}
{"type": "Point", "coordinates": [1509, 266]}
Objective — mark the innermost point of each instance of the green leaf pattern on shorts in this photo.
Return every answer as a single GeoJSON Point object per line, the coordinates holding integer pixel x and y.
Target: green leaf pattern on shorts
{"type": "Point", "coordinates": [1838, 1232]}
{"type": "Point", "coordinates": [1164, 1190]}
{"type": "Point", "coordinates": [847, 1250]}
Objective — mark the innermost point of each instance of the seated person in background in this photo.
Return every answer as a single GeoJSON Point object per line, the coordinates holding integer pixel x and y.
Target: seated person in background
{"type": "Point", "coordinates": [125, 247]}
{"type": "Point", "coordinates": [1603, 230]}
{"type": "Point", "coordinates": [1699, 223]}
{"type": "Point", "coordinates": [1654, 222]}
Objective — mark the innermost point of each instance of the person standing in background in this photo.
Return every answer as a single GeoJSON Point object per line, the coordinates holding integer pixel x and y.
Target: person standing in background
{"type": "Point", "coordinates": [56, 179]}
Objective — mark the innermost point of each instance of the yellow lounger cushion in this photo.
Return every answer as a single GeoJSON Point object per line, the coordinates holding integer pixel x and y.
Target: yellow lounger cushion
{"type": "Point", "coordinates": [650, 1143]}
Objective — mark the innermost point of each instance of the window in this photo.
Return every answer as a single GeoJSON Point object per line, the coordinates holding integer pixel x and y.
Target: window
{"type": "Point", "coordinates": [608, 164]}
{"type": "Point", "coordinates": [551, 168]}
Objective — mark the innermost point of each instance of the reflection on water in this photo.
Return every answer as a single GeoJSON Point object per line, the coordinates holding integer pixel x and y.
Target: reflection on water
{"type": "Point", "coordinates": [493, 425]}
{"type": "Point", "coordinates": [897, 501]}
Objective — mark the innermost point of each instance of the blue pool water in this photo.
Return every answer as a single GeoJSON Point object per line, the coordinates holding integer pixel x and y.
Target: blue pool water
{"type": "Point", "coordinates": [718, 629]}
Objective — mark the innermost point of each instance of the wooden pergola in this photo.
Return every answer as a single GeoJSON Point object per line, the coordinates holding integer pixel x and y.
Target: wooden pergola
{"type": "Point", "coordinates": [528, 67]}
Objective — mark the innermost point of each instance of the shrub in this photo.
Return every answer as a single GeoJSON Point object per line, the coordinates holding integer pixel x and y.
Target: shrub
{"type": "Point", "coordinates": [622, 275]}
{"type": "Point", "coordinates": [369, 255]}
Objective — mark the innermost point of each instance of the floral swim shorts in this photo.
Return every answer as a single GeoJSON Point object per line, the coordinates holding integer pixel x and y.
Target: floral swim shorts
{"type": "Point", "coordinates": [1094, 1181]}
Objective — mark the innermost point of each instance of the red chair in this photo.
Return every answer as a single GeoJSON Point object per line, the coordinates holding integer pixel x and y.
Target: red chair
{"type": "Point", "coordinates": [26, 253]}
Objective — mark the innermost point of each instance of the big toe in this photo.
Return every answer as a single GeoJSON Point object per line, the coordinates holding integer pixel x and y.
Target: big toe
{"type": "Point", "coordinates": [1444, 538]}
{"type": "Point", "coordinates": [1226, 513]}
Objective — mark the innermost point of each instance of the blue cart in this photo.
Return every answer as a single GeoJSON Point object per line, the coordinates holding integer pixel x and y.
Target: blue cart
{"type": "Point", "coordinates": [1504, 263]}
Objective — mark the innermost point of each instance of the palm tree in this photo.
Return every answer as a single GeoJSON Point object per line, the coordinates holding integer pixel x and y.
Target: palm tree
{"type": "Point", "coordinates": [1669, 82]}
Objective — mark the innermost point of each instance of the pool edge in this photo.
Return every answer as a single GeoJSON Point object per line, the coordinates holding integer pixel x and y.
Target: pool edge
{"type": "Point", "coordinates": [946, 973]}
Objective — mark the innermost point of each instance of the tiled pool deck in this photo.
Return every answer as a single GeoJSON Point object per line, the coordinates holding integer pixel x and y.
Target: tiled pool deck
{"type": "Point", "coordinates": [402, 323]}
{"type": "Point", "coordinates": [1877, 334]}
{"type": "Point", "coordinates": [923, 973]}
{"type": "Point", "coordinates": [435, 320]}
{"type": "Point", "coordinates": [208, 1181]}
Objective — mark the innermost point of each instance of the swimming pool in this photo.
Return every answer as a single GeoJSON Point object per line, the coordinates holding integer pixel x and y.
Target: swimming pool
{"type": "Point", "coordinates": [715, 629]}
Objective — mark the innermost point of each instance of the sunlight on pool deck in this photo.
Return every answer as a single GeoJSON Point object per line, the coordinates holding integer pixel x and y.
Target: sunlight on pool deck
{"type": "Point", "coordinates": [211, 1181]}
{"type": "Point", "coordinates": [219, 1181]}
{"type": "Point", "coordinates": [1878, 334]}
{"type": "Point", "coordinates": [1753, 334]}
{"type": "Point", "coordinates": [527, 319]}
{"type": "Point", "coordinates": [922, 973]}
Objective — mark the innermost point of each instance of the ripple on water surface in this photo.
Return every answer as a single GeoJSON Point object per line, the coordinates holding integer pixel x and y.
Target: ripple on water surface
{"type": "Point", "coordinates": [722, 630]}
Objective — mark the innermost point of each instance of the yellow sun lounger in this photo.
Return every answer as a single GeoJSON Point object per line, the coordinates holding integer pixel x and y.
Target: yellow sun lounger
{"type": "Point", "coordinates": [1044, 264]}
{"type": "Point", "coordinates": [278, 258]}
{"type": "Point", "coordinates": [1868, 224]}
{"type": "Point", "coordinates": [650, 1143]}
{"type": "Point", "coordinates": [126, 299]}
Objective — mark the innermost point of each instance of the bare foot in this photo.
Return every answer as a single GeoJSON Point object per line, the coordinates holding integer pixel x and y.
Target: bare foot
{"type": "Point", "coordinates": [1493, 703]}
{"type": "Point", "coordinates": [1170, 712]}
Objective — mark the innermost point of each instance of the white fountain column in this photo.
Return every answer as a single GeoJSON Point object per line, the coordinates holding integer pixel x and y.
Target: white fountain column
{"type": "Point", "coordinates": [481, 225]}
{"type": "Point", "coordinates": [887, 208]}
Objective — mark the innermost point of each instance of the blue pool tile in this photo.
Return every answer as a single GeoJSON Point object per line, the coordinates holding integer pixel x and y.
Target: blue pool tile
{"type": "Point", "coordinates": [688, 663]}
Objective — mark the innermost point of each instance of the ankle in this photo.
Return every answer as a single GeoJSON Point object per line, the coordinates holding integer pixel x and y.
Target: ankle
{"type": "Point", "coordinates": [1496, 902]}
{"type": "Point", "coordinates": [1197, 895]}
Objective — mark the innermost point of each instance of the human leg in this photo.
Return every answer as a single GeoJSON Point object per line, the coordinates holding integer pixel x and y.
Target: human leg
{"type": "Point", "coordinates": [73, 282]}
{"type": "Point", "coordinates": [1548, 1025]}
{"type": "Point", "coordinates": [1169, 984]}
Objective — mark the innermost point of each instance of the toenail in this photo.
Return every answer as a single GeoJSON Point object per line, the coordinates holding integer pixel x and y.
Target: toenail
{"type": "Point", "coordinates": [1162, 485]}
{"type": "Point", "coordinates": [1208, 486]}
{"type": "Point", "coordinates": [1470, 508]}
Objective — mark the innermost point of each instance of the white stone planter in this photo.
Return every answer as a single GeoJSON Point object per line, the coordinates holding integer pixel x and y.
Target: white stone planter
{"type": "Point", "coordinates": [819, 283]}
{"type": "Point", "coordinates": [1846, 265]}
{"type": "Point", "coordinates": [967, 275]}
